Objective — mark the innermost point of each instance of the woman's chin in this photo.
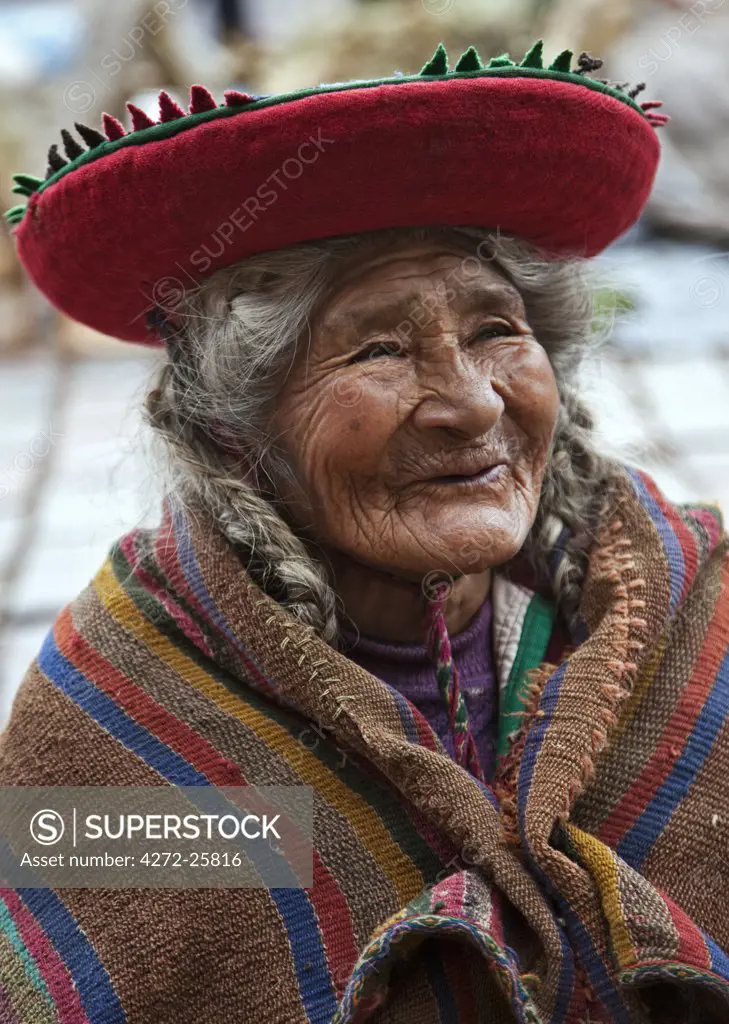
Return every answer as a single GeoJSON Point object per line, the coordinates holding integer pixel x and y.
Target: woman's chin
{"type": "Point", "coordinates": [455, 547]}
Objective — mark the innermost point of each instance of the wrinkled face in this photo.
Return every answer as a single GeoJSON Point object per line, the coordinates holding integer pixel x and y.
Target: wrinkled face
{"type": "Point", "coordinates": [419, 416]}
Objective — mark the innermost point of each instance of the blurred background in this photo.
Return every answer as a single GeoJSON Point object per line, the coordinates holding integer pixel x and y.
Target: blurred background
{"type": "Point", "coordinates": [73, 472]}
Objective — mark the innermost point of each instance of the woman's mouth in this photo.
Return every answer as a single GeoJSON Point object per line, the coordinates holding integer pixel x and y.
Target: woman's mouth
{"type": "Point", "coordinates": [482, 478]}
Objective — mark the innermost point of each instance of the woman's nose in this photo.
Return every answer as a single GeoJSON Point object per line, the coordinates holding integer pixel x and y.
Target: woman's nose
{"type": "Point", "coordinates": [459, 398]}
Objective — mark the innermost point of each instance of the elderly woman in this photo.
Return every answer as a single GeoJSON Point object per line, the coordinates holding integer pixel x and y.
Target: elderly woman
{"type": "Point", "coordinates": [392, 566]}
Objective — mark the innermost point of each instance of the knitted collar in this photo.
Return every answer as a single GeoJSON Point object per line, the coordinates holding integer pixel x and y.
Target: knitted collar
{"type": "Point", "coordinates": [539, 150]}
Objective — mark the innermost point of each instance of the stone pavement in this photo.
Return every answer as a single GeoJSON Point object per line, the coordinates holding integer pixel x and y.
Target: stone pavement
{"type": "Point", "coordinates": [72, 479]}
{"type": "Point", "coordinates": [74, 475]}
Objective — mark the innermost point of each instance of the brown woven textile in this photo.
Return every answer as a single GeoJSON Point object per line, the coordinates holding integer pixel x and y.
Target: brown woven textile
{"type": "Point", "coordinates": [597, 877]}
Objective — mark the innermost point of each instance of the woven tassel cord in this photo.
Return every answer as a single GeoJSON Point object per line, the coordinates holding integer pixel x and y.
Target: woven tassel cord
{"type": "Point", "coordinates": [438, 645]}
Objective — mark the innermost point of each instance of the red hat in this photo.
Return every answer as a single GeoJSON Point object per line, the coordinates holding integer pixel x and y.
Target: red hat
{"type": "Point", "coordinates": [132, 219]}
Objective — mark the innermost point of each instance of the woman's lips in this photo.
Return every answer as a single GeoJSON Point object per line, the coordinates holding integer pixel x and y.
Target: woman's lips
{"type": "Point", "coordinates": [482, 478]}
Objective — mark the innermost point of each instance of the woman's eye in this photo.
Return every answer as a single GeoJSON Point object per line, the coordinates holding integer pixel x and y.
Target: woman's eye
{"type": "Point", "coordinates": [376, 351]}
{"type": "Point", "coordinates": [496, 330]}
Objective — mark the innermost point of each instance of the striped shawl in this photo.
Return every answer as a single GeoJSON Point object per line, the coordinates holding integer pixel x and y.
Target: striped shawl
{"type": "Point", "coordinates": [589, 883]}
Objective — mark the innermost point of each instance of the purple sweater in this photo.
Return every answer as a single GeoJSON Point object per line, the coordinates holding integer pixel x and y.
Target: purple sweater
{"type": "Point", "coordinates": [409, 669]}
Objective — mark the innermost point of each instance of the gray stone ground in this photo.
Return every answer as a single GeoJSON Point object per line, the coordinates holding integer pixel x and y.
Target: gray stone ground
{"type": "Point", "coordinates": [73, 478]}
{"type": "Point", "coordinates": [74, 473]}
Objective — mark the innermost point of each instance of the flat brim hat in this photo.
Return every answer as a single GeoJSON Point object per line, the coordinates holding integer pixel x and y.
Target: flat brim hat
{"type": "Point", "coordinates": [126, 222]}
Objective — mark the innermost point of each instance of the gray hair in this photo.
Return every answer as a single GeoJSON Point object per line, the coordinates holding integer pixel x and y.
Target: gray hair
{"type": "Point", "coordinates": [239, 332]}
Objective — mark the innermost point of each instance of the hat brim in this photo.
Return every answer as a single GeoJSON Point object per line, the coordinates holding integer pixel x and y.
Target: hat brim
{"type": "Point", "coordinates": [565, 167]}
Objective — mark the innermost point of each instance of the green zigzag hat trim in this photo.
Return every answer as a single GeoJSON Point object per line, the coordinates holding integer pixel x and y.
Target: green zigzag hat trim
{"type": "Point", "coordinates": [469, 65]}
{"type": "Point", "coordinates": [469, 61]}
{"type": "Point", "coordinates": [502, 61]}
{"type": "Point", "coordinates": [437, 65]}
{"type": "Point", "coordinates": [534, 58]}
{"type": "Point", "coordinates": [563, 62]}
{"type": "Point", "coordinates": [26, 184]}
{"type": "Point", "coordinates": [15, 214]}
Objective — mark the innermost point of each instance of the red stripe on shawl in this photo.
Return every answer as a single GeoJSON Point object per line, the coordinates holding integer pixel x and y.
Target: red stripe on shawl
{"type": "Point", "coordinates": [142, 708]}
{"type": "Point", "coordinates": [442, 847]}
{"type": "Point", "coordinates": [710, 523]}
{"type": "Point", "coordinates": [326, 897]}
{"type": "Point", "coordinates": [152, 586]}
{"type": "Point", "coordinates": [426, 735]}
{"type": "Point", "coordinates": [66, 1000]}
{"type": "Point", "coordinates": [683, 533]}
{"type": "Point", "coordinates": [165, 551]}
{"type": "Point", "coordinates": [666, 753]}
{"type": "Point", "coordinates": [450, 890]}
{"type": "Point", "coordinates": [692, 949]}
{"type": "Point", "coordinates": [496, 924]}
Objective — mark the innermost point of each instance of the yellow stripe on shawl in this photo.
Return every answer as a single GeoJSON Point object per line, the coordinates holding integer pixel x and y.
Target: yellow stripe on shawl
{"type": "Point", "coordinates": [406, 878]}
{"type": "Point", "coordinates": [599, 859]}
{"type": "Point", "coordinates": [644, 681]}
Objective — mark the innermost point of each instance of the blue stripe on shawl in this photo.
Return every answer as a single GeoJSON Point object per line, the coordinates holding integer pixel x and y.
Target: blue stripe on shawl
{"type": "Point", "coordinates": [719, 959]}
{"type": "Point", "coordinates": [671, 544]}
{"type": "Point", "coordinates": [90, 978]}
{"type": "Point", "coordinates": [489, 794]}
{"type": "Point", "coordinates": [404, 708]}
{"type": "Point", "coordinates": [637, 843]}
{"type": "Point", "coordinates": [189, 565]}
{"type": "Point", "coordinates": [566, 984]}
{"type": "Point", "coordinates": [293, 904]}
{"type": "Point", "coordinates": [103, 710]}
{"type": "Point", "coordinates": [534, 739]}
{"type": "Point", "coordinates": [599, 978]}
{"type": "Point", "coordinates": [577, 626]}
{"type": "Point", "coordinates": [448, 1012]}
